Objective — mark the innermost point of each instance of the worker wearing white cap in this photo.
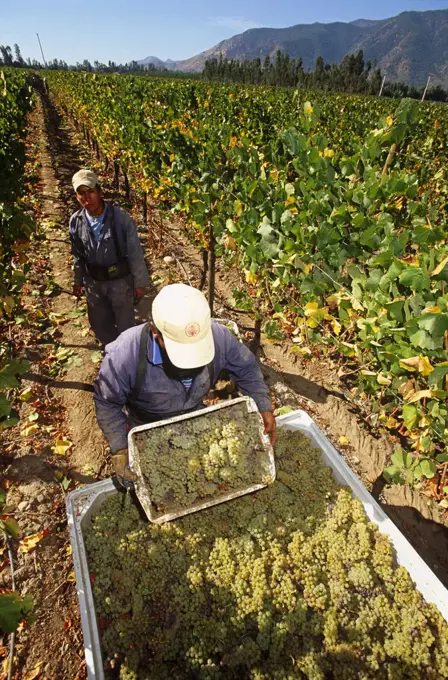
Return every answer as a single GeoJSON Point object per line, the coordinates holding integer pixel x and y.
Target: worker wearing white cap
{"type": "Point", "coordinates": [108, 259]}
{"type": "Point", "coordinates": [166, 367]}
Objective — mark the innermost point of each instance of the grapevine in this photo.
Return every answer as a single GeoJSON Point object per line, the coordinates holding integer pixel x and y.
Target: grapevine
{"type": "Point", "coordinates": [291, 582]}
{"type": "Point", "coordinates": [342, 243]}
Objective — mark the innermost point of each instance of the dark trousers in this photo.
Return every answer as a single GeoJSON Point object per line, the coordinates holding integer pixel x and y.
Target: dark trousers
{"type": "Point", "coordinates": [110, 307]}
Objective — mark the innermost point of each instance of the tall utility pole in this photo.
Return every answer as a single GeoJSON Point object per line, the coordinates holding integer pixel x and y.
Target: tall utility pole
{"type": "Point", "coordinates": [41, 50]}
{"type": "Point", "coordinates": [427, 83]}
{"type": "Point", "coordinates": [382, 85]}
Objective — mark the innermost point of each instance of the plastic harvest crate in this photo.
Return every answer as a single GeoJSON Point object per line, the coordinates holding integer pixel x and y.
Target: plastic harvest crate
{"type": "Point", "coordinates": [141, 488]}
{"type": "Point", "coordinates": [83, 503]}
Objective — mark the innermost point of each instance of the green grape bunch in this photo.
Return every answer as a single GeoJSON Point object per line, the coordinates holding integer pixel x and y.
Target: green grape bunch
{"type": "Point", "coordinates": [203, 458]}
{"type": "Point", "coordinates": [289, 583]}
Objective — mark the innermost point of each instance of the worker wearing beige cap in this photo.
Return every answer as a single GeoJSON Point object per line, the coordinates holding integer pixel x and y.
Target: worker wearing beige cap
{"type": "Point", "coordinates": [166, 367]}
{"type": "Point", "coordinates": [108, 259]}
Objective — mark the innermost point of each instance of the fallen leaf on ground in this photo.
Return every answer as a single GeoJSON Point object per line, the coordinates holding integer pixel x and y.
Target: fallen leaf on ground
{"type": "Point", "coordinates": [26, 394]}
{"type": "Point", "coordinates": [28, 543]}
{"type": "Point", "coordinates": [29, 430]}
{"type": "Point", "coordinates": [33, 674]}
{"type": "Point", "coordinates": [61, 446]}
{"type": "Point", "coordinates": [71, 577]}
{"type": "Point", "coordinates": [343, 439]}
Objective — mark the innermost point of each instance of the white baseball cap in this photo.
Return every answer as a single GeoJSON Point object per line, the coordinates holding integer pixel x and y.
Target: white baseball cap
{"type": "Point", "coordinates": [85, 178]}
{"type": "Point", "coordinates": [181, 313]}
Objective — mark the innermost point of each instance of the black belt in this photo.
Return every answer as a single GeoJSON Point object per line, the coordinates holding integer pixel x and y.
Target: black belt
{"type": "Point", "coordinates": [115, 271]}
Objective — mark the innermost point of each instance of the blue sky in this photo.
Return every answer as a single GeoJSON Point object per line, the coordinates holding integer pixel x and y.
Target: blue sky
{"type": "Point", "coordinates": [133, 29]}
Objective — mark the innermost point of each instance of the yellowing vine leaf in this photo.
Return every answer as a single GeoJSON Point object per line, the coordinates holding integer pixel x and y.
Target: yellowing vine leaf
{"type": "Point", "coordinates": [336, 326]}
{"type": "Point", "coordinates": [32, 675]}
{"type": "Point", "coordinates": [440, 267]}
{"type": "Point", "coordinates": [315, 314]}
{"type": "Point", "coordinates": [307, 108]}
{"type": "Point", "coordinates": [61, 446]}
{"type": "Point", "coordinates": [417, 396]}
{"type": "Point", "coordinates": [418, 363]}
{"type": "Point", "coordinates": [31, 429]}
{"type": "Point", "coordinates": [383, 380]}
{"type": "Point", "coordinates": [251, 278]}
{"type": "Point", "coordinates": [28, 543]}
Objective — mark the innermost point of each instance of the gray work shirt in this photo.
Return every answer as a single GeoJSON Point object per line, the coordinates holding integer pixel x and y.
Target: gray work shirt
{"type": "Point", "coordinates": [161, 394]}
{"type": "Point", "coordinates": [103, 253]}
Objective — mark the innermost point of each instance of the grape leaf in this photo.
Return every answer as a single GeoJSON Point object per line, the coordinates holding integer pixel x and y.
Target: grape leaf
{"type": "Point", "coordinates": [13, 608]}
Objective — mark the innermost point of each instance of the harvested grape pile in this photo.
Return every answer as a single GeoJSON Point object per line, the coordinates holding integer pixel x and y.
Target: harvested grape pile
{"type": "Point", "coordinates": [290, 582]}
{"type": "Point", "coordinates": [199, 459]}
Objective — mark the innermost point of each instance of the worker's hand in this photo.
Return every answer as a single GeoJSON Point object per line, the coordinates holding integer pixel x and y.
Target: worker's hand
{"type": "Point", "coordinates": [138, 294]}
{"type": "Point", "coordinates": [120, 461]}
{"type": "Point", "coordinates": [270, 426]}
{"type": "Point", "coordinates": [78, 290]}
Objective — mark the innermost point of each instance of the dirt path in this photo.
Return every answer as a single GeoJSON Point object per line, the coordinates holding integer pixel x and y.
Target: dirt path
{"type": "Point", "coordinates": [38, 479]}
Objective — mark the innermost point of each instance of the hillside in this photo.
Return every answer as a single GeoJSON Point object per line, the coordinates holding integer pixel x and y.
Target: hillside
{"type": "Point", "coordinates": [407, 47]}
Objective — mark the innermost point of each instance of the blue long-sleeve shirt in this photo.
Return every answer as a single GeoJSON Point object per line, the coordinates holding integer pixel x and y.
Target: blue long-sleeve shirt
{"type": "Point", "coordinates": [160, 394]}
{"type": "Point", "coordinates": [88, 250]}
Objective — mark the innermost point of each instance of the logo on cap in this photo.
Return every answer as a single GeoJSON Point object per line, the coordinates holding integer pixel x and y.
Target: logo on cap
{"type": "Point", "coordinates": [192, 330]}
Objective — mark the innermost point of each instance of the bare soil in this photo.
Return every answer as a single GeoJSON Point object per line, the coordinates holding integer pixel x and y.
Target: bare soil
{"type": "Point", "coordinates": [38, 478]}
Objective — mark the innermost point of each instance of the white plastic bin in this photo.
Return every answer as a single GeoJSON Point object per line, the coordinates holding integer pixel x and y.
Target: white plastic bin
{"type": "Point", "coordinates": [83, 503]}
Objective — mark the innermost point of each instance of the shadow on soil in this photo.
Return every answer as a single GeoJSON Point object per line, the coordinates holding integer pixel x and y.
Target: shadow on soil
{"type": "Point", "coordinates": [29, 467]}
{"type": "Point", "coordinates": [60, 384]}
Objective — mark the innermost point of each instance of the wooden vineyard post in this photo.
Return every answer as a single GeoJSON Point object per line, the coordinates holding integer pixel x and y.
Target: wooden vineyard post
{"type": "Point", "coordinates": [88, 138]}
{"type": "Point", "coordinates": [204, 268]}
{"type": "Point", "coordinates": [145, 208]}
{"type": "Point", "coordinates": [426, 88]}
{"type": "Point", "coordinates": [211, 267]}
{"type": "Point", "coordinates": [116, 174]}
{"type": "Point", "coordinates": [257, 329]}
{"type": "Point", "coordinates": [389, 159]}
{"type": "Point", "coordinates": [127, 188]}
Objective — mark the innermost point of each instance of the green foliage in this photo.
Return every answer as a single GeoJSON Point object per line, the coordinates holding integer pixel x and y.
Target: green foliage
{"type": "Point", "coordinates": [13, 609]}
{"type": "Point", "coordinates": [345, 232]}
{"type": "Point", "coordinates": [9, 370]}
{"type": "Point", "coordinates": [15, 103]}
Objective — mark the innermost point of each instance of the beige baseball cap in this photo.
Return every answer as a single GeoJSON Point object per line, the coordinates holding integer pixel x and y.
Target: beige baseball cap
{"type": "Point", "coordinates": [85, 178]}
{"type": "Point", "coordinates": [181, 313]}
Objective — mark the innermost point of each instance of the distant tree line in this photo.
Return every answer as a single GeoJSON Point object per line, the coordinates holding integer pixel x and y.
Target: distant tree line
{"type": "Point", "coordinates": [352, 75]}
{"type": "Point", "coordinates": [15, 59]}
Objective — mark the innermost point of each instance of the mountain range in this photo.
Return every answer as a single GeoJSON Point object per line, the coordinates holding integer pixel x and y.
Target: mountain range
{"type": "Point", "coordinates": [407, 47]}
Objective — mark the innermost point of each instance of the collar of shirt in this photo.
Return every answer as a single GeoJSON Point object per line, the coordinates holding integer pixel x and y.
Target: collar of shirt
{"type": "Point", "coordinates": [96, 223]}
{"type": "Point", "coordinates": [156, 353]}
{"type": "Point", "coordinates": [157, 360]}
